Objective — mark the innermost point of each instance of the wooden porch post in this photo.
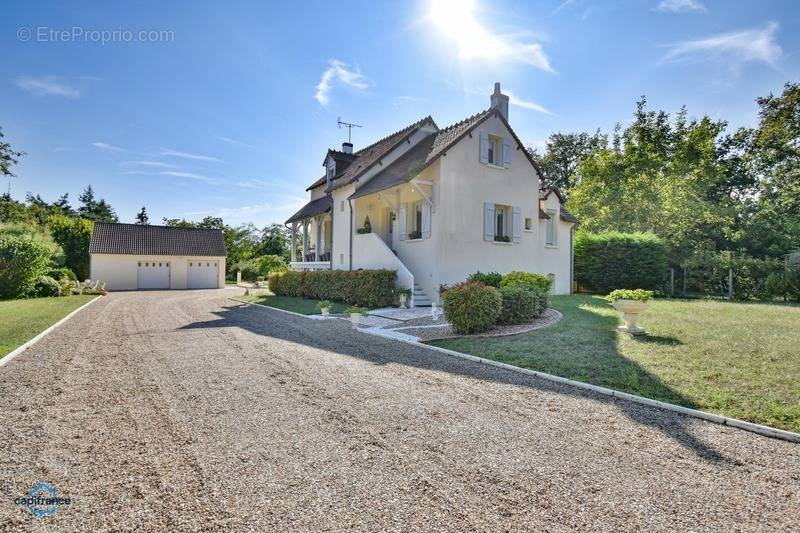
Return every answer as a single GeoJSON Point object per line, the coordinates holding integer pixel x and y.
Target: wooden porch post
{"type": "Point", "coordinates": [294, 242]}
{"type": "Point", "coordinates": [305, 239]}
{"type": "Point", "coordinates": [317, 250]}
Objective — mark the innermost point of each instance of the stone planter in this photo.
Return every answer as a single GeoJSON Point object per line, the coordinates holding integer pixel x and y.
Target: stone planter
{"type": "Point", "coordinates": [325, 311]}
{"type": "Point", "coordinates": [631, 309]}
{"type": "Point", "coordinates": [402, 299]}
{"type": "Point", "coordinates": [355, 319]}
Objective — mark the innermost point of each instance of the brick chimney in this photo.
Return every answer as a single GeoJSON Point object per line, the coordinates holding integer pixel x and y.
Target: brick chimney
{"type": "Point", "coordinates": [347, 148]}
{"type": "Point", "coordinates": [499, 100]}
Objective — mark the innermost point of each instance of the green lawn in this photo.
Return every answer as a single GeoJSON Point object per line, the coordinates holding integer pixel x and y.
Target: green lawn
{"type": "Point", "coordinates": [21, 320]}
{"type": "Point", "coordinates": [304, 306]}
{"type": "Point", "coordinates": [736, 359]}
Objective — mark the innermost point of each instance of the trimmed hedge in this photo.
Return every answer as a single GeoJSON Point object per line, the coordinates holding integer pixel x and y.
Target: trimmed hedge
{"type": "Point", "coordinates": [63, 272]}
{"type": "Point", "coordinates": [614, 260]}
{"type": "Point", "coordinates": [528, 280]}
{"type": "Point", "coordinates": [521, 304]}
{"type": "Point", "coordinates": [366, 288]}
{"type": "Point", "coordinates": [46, 286]}
{"type": "Point", "coordinates": [492, 279]}
{"type": "Point", "coordinates": [472, 306]}
{"type": "Point", "coordinates": [22, 262]}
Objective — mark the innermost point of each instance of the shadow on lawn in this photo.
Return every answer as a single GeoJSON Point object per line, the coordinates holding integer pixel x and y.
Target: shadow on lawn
{"type": "Point", "coordinates": [378, 350]}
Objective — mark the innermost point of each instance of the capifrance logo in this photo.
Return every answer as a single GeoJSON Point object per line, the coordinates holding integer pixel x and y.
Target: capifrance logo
{"type": "Point", "coordinates": [42, 500]}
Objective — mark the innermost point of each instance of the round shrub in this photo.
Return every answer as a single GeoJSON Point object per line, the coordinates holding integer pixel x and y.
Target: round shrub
{"type": "Point", "coordinates": [528, 280]}
{"type": "Point", "coordinates": [472, 307]}
{"type": "Point", "coordinates": [22, 262]}
{"type": "Point", "coordinates": [613, 260]}
{"type": "Point", "coordinates": [492, 279]}
{"type": "Point", "coordinates": [63, 272]}
{"type": "Point", "coordinates": [520, 305]}
{"type": "Point", "coordinates": [46, 286]}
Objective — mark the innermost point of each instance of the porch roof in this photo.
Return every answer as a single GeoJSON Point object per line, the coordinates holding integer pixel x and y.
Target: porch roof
{"type": "Point", "coordinates": [312, 209]}
{"type": "Point", "coordinates": [402, 170]}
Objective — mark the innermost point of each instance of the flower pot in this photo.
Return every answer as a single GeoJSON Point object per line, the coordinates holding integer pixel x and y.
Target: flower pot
{"type": "Point", "coordinates": [631, 309]}
{"type": "Point", "coordinates": [355, 319]}
{"type": "Point", "coordinates": [325, 311]}
{"type": "Point", "coordinates": [402, 299]}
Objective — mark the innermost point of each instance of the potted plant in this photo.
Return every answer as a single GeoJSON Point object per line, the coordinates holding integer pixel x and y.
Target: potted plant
{"type": "Point", "coordinates": [355, 314]}
{"type": "Point", "coordinates": [632, 303]}
{"type": "Point", "coordinates": [403, 295]}
{"type": "Point", "coordinates": [324, 306]}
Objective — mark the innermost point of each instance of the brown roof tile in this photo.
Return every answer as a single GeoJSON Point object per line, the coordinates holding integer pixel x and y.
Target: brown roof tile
{"type": "Point", "coordinates": [114, 238]}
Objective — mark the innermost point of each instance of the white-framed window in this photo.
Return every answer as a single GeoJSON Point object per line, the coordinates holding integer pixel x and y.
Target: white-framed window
{"type": "Point", "coordinates": [528, 224]}
{"type": "Point", "coordinates": [495, 154]}
{"type": "Point", "coordinates": [551, 232]}
{"type": "Point", "coordinates": [414, 220]}
{"type": "Point", "coordinates": [502, 223]}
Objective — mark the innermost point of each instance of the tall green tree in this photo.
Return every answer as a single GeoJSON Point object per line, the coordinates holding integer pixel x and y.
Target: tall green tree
{"type": "Point", "coordinates": [274, 240]}
{"type": "Point", "coordinates": [73, 235]}
{"type": "Point", "coordinates": [8, 158]}
{"type": "Point", "coordinates": [564, 153]}
{"type": "Point", "coordinates": [141, 217]}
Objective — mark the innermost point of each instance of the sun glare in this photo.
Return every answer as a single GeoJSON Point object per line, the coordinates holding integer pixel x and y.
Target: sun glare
{"type": "Point", "coordinates": [456, 20]}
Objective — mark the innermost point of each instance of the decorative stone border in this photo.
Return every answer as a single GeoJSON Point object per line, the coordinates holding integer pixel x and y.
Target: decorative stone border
{"type": "Point", "coordinates": [548, 318]}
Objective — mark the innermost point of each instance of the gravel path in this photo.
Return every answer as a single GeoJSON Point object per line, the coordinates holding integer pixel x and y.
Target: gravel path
{"type": "Point", "coordinates": [187, 410]}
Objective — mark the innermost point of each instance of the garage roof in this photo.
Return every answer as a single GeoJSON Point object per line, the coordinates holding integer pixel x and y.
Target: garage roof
{"type": "Point", "coordinates": [112, 238]}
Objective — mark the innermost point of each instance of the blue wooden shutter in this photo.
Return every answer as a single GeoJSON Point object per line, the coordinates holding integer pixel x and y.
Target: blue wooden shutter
{"type": "Point", "coordinates": [516, 224]}
{"type": "Point", "coordinates": [488, 221]}
{"type": "Point", "coordinates": [484, 147]}
{"type": "Point", "coordinates": [426, 221]}
{"type": "Point", "coordinates": [506, 153]}
{"type": "Point", "coordinates": [401, 223]}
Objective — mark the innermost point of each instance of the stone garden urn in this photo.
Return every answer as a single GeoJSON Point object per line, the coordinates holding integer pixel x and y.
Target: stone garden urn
{"type": "Point", "coordinates": [631, 309]}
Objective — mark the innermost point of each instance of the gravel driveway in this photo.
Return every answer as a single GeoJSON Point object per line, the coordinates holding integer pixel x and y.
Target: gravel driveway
{"type": "Point", "coordinates": [187, 410]}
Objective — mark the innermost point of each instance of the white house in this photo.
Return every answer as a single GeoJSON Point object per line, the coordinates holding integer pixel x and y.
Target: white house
{"type": "Point", "coordinates": [441, 203]}
{"type": "Point", "coordinates": [132, 256]}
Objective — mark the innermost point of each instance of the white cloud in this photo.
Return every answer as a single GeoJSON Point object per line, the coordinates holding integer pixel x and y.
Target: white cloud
{"type": "Point", "coordinates": [681, 6]}
{"type": "Point", "coordinates": [108, 147]}
{"type": "Point", "coordinates": [190, 175]}
{"type": "Point", "coordinates": [157, 164]}
{"type": "Point", "coordinates": [234, 141]}
{"type": "Point", "coordinates": [338, 74]}
{"type": "Point", "coordinates": [47, 86]}
{"type": "Point", "coordinates": [456, 20]}
{"type": "Point", "coordinates": [515, 100]}
{"type": "Point", "coordinates": [757, 44]}
{"type": "Point", "coordinates": [185, 155]}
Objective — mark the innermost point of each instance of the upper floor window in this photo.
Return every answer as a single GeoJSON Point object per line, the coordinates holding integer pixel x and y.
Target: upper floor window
{"type": "Point", "coordinates": [330, 170]}
{"type": "Point", "coordinates": [495, 150]}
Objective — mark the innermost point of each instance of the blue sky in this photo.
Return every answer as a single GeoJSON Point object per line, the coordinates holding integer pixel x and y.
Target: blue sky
{"type": "Point", "coordinates": [228, 107]}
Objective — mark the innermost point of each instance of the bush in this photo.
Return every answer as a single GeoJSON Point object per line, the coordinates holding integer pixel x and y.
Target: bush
{"type": "Point", "coordinates": [528, 280]}
{"type": "Point", "coordinates": [472, 306]}
{"type": "Point", "coordinates": [261, 267]}
{"type": "Point", "coordinates": [613, 260]}
{"type": "Point", "coordinates": [775, 286]}
{"type": "Point", "coordinates": [22, 262]}
{"type": "Point", "coordinates": [368, 288]}
{"type": "Point", "coordinates": [639, 295]}
{"type": "Point", "coordinates": [63, 272]}
{"type": "Point", "coordinates": [521, 304]}
{"type": "Point", "coordinates": [46, 286]}
{"type": "Point", "coordinates": [73, 235]}
{"type": "Point", "coordinates": [66, 286]}
{"type": "Point", "coordinates": [492, 279]}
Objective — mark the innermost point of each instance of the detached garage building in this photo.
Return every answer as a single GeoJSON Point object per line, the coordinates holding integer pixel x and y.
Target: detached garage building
{"type": "Point", "coordinates": [132, 256]}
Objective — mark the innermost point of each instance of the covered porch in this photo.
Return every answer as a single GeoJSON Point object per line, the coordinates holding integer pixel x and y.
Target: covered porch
{"type": "Point", "coordinates": [312, 235]}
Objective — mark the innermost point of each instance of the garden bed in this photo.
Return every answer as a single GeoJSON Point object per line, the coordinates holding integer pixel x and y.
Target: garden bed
{"type": "Point", "coordinates": [438, 329]}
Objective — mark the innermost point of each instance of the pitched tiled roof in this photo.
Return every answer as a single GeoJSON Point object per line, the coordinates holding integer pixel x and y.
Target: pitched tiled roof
{"type": "Point", "coordinates": [369, 156]}
{"type": "Point", "coordinates": [403, 169]}
{"type": "Point", "coordinates": [452, 134]}
{"type": "Point", "coordinates": [566, 216]}
{"type": "Point", "coordinates": [313, 208]}
{"type": "Point", "coordinates": [113, 238]}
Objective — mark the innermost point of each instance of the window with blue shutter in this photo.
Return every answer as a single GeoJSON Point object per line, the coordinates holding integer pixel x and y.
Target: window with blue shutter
{"type": "Point", "coordinates": [488, 221]}
{"type": "Point", "coordinates": [506, 154]}
{"type": "Point", "coordinates": [484, 155]}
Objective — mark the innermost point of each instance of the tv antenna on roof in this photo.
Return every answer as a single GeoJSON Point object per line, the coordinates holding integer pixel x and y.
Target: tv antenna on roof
{"type": "Point", "coordinates": [347, 125]}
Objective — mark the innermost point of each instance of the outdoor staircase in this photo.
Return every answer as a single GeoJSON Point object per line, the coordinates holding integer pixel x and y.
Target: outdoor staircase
{"type": "Point", "coordinates": [420, 298]}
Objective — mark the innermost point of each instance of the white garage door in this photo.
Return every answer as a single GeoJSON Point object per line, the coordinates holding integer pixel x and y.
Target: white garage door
{"type": "Point", "coordinates": [203, 275]}
{"type": "Point", "coordinates": [153, 275]}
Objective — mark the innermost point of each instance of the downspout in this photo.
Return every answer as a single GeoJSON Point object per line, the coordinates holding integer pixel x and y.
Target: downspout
{"type": "Point", "coordinates": [350, 203]}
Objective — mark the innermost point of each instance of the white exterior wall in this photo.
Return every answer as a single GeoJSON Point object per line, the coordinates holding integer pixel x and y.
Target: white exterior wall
{"type": "Point", "coordinates": [340, 210]}
{"type": "Point", "coordinates": [556, 259]}
{"type": "Point", "coordinates": [120, 271]}
{"type": "Point", "coordinates": [465, 185]}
